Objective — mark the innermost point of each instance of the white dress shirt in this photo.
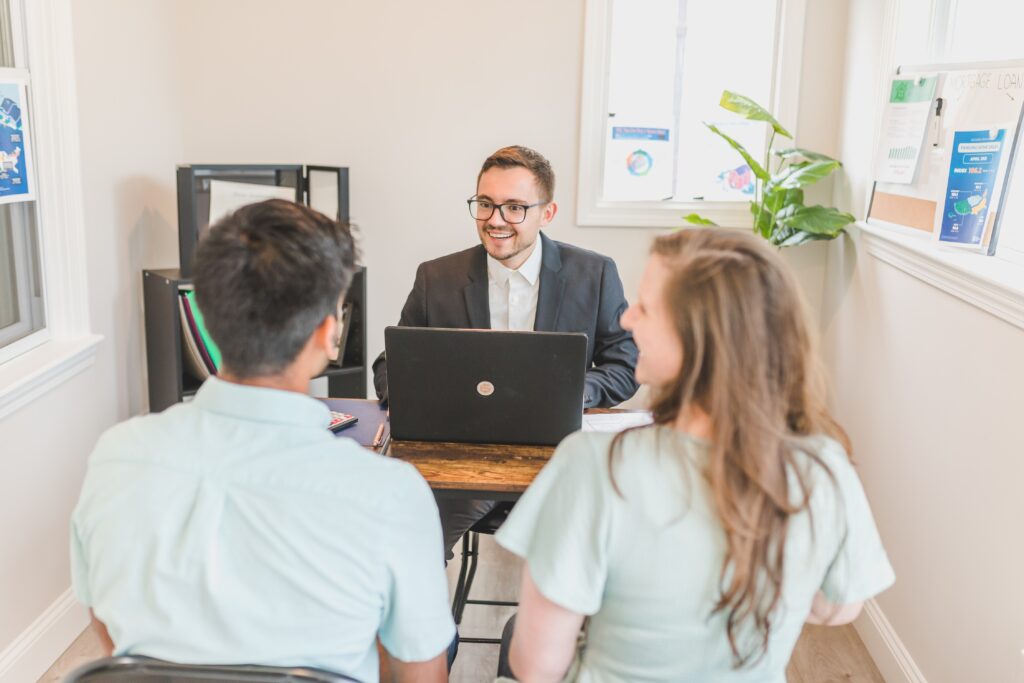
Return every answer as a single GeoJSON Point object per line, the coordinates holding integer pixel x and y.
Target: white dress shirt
{"type": "Point", "coordinates": [512, 294]}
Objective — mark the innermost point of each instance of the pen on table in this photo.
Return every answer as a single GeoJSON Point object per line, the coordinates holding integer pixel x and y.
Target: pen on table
{"type": "Point", "coordinates": [380, 433]}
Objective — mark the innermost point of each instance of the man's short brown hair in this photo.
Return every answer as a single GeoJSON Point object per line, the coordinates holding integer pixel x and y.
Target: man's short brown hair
{"type": "Point", "coordinates": [534, 162]}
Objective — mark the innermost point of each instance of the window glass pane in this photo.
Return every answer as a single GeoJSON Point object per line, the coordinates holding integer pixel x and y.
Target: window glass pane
{"type": "Point", "coordinates": [21, 296]}
{"type": "Point", "coordinates": [8, 283]}
{"type": "Point", "coordinates": [1011, 225]}
{"type": "Point", "coordinates": [989, 30]}
{"type": "Point", "coordinates": [983, 30]}
{"type": "Point", "coordinates": [6, 35]}
{"type": "Point", "coordinates": [670, 60]}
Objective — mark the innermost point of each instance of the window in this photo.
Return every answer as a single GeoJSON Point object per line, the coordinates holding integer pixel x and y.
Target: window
{"type": "Point", "coordinates": [22, 310]}
{"type": "Point", "coordinates": [971, 31]}
{"type": "Point", "coordinates": [653, 75]}
{"type": "Point", "coordinates": [45, 332]}
{"type": "Point", "coordinates": [21, 300]}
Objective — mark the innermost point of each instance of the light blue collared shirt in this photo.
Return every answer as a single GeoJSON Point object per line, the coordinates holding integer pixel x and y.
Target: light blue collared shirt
{"type": "Point", "coordinates": [238, 529]}
{"type": "Point", "coordinates": [642, 555]}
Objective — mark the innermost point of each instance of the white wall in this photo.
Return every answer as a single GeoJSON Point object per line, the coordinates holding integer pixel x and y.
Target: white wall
{"type": "Point", "coordinates": [411, 96]}
{"type": "Point", "coordinates": [129, 116]}
{"type": "Point", "coordinates": [931, 390]}
{"type": "Point", "coordinates": [413, 100]}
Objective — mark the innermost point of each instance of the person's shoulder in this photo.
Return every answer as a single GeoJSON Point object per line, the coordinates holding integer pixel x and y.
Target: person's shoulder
{"type": "Point", "coordinates": [572, 255]}
{"type": "Point", "coordinates": [454, 263]}
{"type": "Point", "coordinates": [585, 454]}
{"type": "Point", "coordinates": [136, 436]}
{"type": "Point", "coordinates": [823, 460]}
{"type": "Point", "coordinates": [346, 468]}
{"type": "Point", "coordinates": [825, 450]}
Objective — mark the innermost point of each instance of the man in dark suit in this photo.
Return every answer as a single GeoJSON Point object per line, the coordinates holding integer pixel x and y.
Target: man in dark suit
{"type": "Point", "coordinates": [517, 278]}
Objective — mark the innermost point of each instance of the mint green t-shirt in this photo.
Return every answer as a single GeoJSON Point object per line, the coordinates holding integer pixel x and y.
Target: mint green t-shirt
{"type": "Point", "coordinates": [645, 565]}
{"type": "Point", "coordinates": [237, 529]}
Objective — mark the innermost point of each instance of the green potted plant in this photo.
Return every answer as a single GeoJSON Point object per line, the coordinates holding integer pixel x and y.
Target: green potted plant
{"type": "Point", "coordinates": [780, 215]}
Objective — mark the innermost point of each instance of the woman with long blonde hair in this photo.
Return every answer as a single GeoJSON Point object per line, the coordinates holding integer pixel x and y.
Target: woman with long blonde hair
{"type": "Point", "coordinates": [697, 547]}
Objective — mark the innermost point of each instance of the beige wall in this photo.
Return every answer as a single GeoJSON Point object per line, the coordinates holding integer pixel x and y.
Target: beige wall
{"type": "Point", "coordinates": [931, 390]}
{"type": "Point", "coordinates": [411, 96]}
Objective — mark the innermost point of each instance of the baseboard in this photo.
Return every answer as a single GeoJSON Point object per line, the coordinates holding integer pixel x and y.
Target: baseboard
{"type": "Point", "coordinates": [38, 647]}
{"type": "Point", "coordinates": [885, 647]}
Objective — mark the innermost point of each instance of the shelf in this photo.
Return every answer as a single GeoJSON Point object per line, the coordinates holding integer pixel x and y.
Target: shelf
{"type": "Point", "coordinates": [190, 385]}
{"type": "Point", "coordinates": [334, 371]}
{"type": "Point", "coordinates": [169, 383]}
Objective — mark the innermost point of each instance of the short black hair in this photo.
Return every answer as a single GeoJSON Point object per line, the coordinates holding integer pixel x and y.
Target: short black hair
{"type": "Point", "coordinates": [265, 277]}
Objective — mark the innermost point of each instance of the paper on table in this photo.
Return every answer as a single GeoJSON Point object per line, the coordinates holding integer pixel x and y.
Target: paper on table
{"type": "Point", "coordinates": [226, 196]}
{"type": "Point", "coordinates": [615, 422]}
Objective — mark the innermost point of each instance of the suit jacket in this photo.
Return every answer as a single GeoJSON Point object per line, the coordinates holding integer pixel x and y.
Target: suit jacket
{"type": "Point", "coordinates": [580, 291]}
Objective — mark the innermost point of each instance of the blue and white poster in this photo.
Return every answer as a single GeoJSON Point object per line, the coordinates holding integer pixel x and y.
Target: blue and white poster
{"type": "Point", "coordinates": [638, 162]}
{"type": "Point", "coordinates": [970, 190]}
{"type": "Point", "coordinates": [15, 179]}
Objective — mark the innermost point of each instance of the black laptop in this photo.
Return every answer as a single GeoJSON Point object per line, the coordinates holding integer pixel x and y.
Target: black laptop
{"type": "Point", "coordinates": [484, 386]}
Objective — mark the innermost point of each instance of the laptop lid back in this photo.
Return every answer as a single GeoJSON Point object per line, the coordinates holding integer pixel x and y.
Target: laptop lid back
{"type": "Point", "coordinates": [484, 386]}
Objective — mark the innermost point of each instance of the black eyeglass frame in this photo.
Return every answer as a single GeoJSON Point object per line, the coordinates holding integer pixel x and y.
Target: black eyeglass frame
{"type": "Point", "coordinates": [500, 208]}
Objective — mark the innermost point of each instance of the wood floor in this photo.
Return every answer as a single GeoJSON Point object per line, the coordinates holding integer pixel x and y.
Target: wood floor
{"type": "Point", "coordinates": [823, 655]}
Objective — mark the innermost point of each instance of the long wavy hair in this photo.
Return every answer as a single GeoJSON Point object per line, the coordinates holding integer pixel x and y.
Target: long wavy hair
{"type": "Point", "coordinates": [750, 363]}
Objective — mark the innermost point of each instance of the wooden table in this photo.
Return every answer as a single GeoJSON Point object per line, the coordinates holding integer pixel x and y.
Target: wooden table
{"type": "Point", "coordinates": [456, 470]}
{"type": "Point", "coordinates": [471, 470]}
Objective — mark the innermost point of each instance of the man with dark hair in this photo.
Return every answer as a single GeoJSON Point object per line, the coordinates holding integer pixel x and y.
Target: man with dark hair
{"type": "Point", "coordinates": [519, 279]}
{"type": "Point", "coordinates": [237, 528]}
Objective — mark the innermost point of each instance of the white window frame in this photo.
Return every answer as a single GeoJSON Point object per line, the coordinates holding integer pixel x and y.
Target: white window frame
{"type": "Point", "coordinates": [66, 346]}
{"type": "Point", "coordinates": [24, 286]}
{"type": "Point", "coordinates": [591, 210]}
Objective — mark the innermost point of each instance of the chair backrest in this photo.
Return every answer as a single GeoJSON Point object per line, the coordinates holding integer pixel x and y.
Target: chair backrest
{"type": "Point", "coordinates": [148, 670]}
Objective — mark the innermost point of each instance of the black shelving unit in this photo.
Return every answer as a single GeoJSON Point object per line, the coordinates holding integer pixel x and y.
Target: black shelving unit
{"type": "Point", "coordinates": [170, 382]}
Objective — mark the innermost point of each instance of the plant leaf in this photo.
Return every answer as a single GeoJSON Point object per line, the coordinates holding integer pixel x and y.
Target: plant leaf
{"type": "Point", "coordinates": [800, 175]}
{"type": "Point", "coordinates": [750, 109]}
{"type": "Point", "coordinates": [792, 152]}
{"type": "Point", "coordinates": [797, 237]}
{"type": "Point", "coordinates": [826, 222]}
{"type": "Point", "coordinates": [762, 218]}
{"type": "Point", "coordinates": [754, 166]}
{"type": "Point", "coordinates": [776, 199]}
{"type": "Point", "coordinates": [697, 219]}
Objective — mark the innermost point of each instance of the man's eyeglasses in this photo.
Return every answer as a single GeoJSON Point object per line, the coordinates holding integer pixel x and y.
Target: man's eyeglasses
{"type": "Point", "coordinates": [482, 210]}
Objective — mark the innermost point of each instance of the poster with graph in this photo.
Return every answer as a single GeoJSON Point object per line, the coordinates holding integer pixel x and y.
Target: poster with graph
{"type": "Point", "coordinates": [974, 179]}
{"type": "Point", "coordinates": [903, 128]}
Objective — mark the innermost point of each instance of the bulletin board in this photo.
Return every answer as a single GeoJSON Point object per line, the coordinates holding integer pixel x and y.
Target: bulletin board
{"type": "Point", "coordinates": [974, 98]}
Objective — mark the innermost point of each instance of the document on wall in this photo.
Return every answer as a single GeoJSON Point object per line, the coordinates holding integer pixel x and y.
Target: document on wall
{"type": "Point", "coordinates": [904, 126]}
{"type": "Point", "coordinates": [616, 421]}
{"type": "Point", "coordinates": [974, 179]}
{"type": "Point", "coordinates": [638, 164]}
{"type": "Point", "coordinates": [16, 184]}
{"type": "Point", "coordinates": [227, 196]}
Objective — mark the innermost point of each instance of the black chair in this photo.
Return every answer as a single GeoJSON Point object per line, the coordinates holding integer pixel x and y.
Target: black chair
{"type": "Point", "coordinates": [132, 669]}
{"type": "Point", "coordinates": [489, 524]}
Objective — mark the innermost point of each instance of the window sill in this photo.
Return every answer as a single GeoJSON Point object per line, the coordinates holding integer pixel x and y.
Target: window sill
{"type": "Point", "coordinates": [990, 283]}
{"type": "Point", "coordinates": [32, 374]}
{"type": "Point", "coordinates": [661, 214]}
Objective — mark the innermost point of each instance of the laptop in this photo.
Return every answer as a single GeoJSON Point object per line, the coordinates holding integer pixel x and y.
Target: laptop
{"type": "Point", "coordinates": [484, 386]}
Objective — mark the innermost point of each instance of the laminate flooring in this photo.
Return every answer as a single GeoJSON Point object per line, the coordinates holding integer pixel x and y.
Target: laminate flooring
{"type": "Point", "coordinates": [823, 654]}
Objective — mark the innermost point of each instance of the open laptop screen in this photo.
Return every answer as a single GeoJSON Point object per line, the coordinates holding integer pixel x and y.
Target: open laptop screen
{"type": "Point", "coordinates": [484, 386]}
